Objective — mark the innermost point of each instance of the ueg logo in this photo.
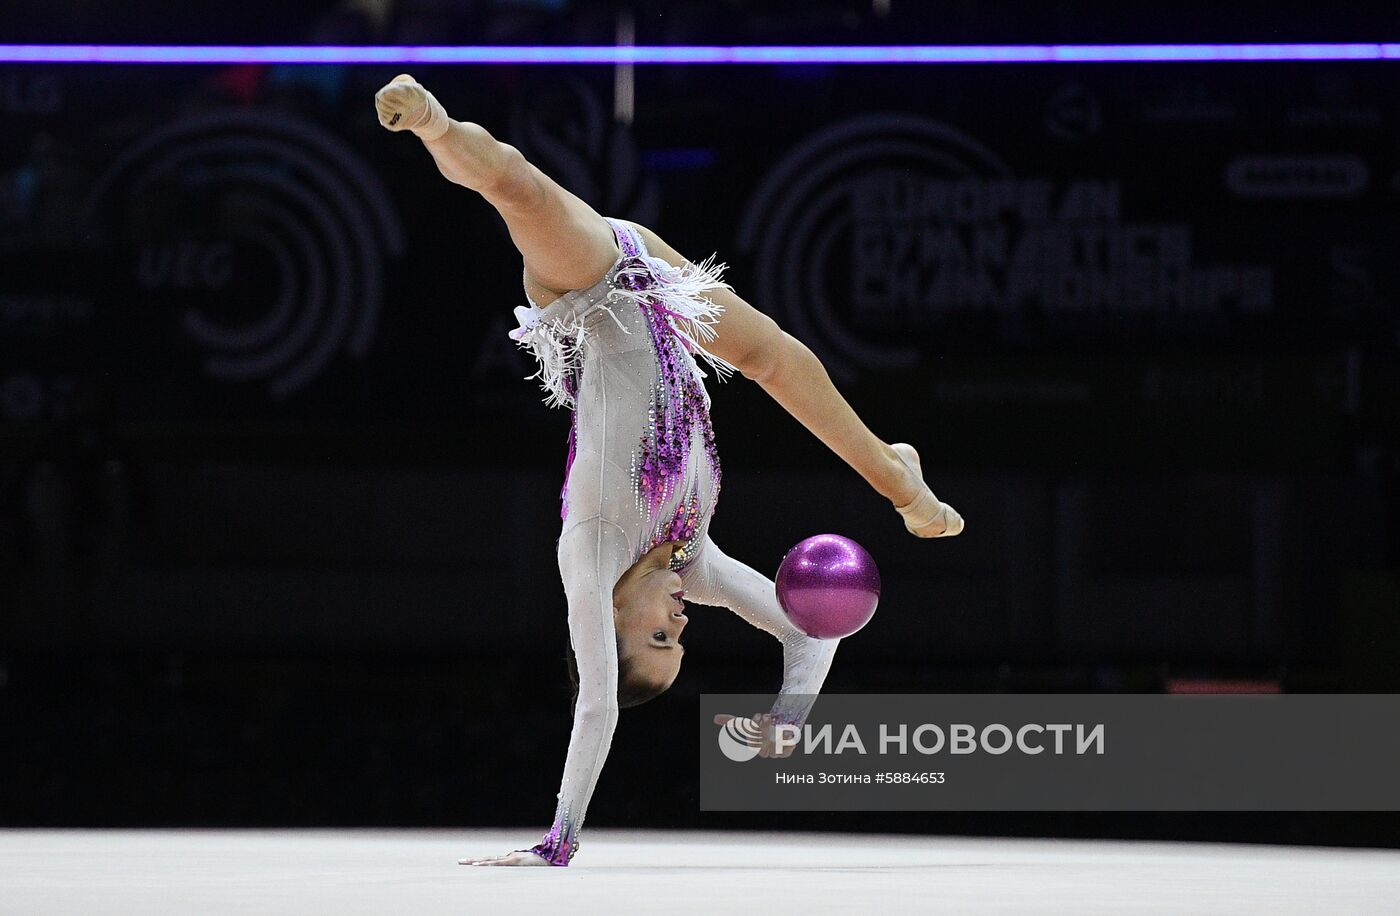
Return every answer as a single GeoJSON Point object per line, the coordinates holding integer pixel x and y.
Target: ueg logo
{"type": "Point", "coordinates": [741, 739]}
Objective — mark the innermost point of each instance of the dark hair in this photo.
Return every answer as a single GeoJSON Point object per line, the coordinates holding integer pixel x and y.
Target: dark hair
{"type": "Point", "coordinates": [632, 690]}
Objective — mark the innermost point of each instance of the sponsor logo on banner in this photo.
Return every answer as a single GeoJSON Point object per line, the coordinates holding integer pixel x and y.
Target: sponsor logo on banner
{"type": "Point", "coordinates": [1297, 177]}
{"type": "Point", "coordinates": [1334, 105]}
{"type": "Point", "coordinates": [1189, 101]}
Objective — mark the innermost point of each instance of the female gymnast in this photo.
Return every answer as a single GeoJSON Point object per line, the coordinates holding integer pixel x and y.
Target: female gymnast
{"type": "Point", "coordinates": [616, 321]}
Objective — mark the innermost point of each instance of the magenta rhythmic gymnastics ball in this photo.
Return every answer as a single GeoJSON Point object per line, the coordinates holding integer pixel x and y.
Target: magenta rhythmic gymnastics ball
{"type": "Point", "coordinates": [828, 585]}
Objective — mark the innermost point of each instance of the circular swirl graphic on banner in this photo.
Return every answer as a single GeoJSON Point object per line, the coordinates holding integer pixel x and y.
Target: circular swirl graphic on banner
{"type": "Point", "coordinates": [265, 234]}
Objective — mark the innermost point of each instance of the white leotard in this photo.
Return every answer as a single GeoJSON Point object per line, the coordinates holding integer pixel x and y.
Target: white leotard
{"type": "Point", "coordinates": [642, 470]}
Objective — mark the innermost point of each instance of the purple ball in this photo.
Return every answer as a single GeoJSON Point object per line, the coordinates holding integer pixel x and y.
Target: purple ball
{"type": "Point", "coordinates": [828, 586]}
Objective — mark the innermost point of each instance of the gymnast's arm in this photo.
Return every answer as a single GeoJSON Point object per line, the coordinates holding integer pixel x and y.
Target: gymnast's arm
{"type": "Point", "coordinates": [722, 581]}
{"type": "Point", "coordinates": [593, 554]}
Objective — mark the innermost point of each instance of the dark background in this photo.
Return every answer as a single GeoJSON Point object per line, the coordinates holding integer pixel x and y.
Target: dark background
{"type": "Point", "coordinates": [277, 511]}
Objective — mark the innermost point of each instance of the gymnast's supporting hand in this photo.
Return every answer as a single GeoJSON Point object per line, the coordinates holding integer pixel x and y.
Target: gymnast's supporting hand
{"type": "Point", "coordinates": [519, 857]}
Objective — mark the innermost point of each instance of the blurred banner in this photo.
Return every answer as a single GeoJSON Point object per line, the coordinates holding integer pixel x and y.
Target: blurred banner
{"type": "Point", "coordinates": [1102, 245]}
{"type": "Point", "coordinates": [1142, 320]}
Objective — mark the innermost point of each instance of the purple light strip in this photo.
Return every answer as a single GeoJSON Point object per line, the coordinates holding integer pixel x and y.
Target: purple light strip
{"type": "Point", "coordinates": [655, 54]}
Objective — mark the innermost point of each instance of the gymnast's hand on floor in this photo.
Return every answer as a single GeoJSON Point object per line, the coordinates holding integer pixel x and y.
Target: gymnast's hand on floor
{"type": "Point", "coordinates": [519, 857]}
{"type": "Point", "coordinates": [925, 515]}
{"type": "Point", "coordinates": [404, 104]}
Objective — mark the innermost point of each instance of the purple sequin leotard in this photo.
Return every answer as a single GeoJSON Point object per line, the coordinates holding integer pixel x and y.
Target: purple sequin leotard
{"type": "Point", "coordinates": [642, 469]}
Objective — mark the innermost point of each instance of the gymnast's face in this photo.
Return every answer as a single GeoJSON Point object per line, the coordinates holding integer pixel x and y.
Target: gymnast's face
{"type": "Point", "coordinates": [649, 618]}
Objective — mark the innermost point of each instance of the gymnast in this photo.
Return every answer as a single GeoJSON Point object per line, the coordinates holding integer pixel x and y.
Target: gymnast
{"type": "Point", "coordinates": [617, 320]}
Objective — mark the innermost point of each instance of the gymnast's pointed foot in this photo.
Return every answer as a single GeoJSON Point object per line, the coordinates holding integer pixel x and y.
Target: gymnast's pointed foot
{"type": "Point", "coordinates": [403, 104]}
{"type": "Point", "coordinates": [925, 516]}
{"type": "Point", "coordinates": [519, 857]}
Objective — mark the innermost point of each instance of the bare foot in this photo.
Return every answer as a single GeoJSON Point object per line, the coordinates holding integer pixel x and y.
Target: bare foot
{"type": "Point", "coordinates": [925, 516]}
